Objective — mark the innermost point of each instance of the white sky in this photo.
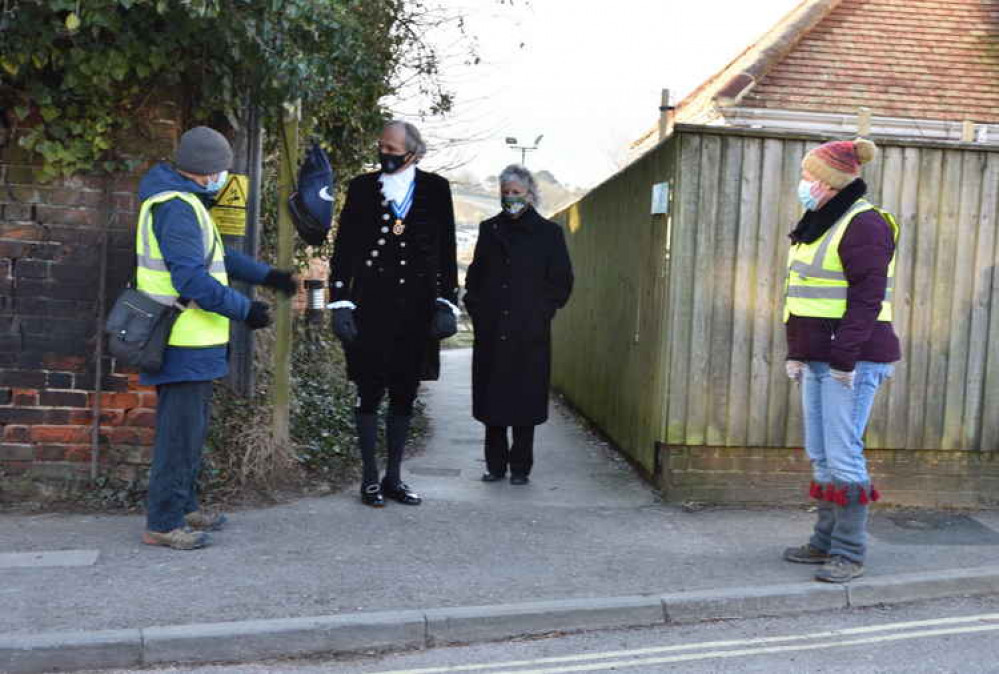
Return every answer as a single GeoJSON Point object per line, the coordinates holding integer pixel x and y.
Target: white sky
{"type": "Point", "coordinates": [588, 75]}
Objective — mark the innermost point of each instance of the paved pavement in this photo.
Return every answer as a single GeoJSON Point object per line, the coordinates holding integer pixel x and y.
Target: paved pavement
{"type": "Point", "coordinates": [586, 527]}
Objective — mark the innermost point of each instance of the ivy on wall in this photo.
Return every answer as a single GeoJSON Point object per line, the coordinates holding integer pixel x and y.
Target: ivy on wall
{"type": "Point", "coordinates": [76, 75]}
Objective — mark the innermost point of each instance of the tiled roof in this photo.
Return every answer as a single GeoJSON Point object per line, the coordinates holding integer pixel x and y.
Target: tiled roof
{"type": "Point", "coordinates": [925, 59]}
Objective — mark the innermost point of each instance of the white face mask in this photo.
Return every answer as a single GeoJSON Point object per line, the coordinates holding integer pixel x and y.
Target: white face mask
{"type": "Point", "coordinates": [219, 182]}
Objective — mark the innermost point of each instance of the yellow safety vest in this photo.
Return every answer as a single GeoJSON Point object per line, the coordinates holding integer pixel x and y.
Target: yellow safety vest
{"type": "Point", "coordinates": [195, 327]}
{"type": "Point", "coordinates": [816, 285]}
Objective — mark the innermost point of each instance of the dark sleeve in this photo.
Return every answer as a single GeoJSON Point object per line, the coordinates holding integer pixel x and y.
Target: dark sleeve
{"type": "Point", "coordinates": [558, 276]}
{"type": "Point", "coordinates": [473, 276]}
{"type": "Point", "coordinates": [447, 266]}
{"type": "Point", "coordinates": [343, 265]}
{"type": "Point", "coordinates": [866, 251]}
{"type": "Point", "coordinates": [242, 267]}
{"type": "Point", "coordinates": [176, 229]}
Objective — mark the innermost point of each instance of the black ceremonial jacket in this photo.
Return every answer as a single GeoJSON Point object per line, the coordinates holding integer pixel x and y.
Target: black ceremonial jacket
{"type": "Point", "coordinates": [395, 279]}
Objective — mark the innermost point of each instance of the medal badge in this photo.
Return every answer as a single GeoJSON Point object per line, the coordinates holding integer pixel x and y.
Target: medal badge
{"type": "Point", "coordinates": [402, 210]}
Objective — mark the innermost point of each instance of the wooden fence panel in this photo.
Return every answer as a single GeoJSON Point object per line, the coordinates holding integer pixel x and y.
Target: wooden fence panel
{"type": "Point", "coordinates": [675, 332]}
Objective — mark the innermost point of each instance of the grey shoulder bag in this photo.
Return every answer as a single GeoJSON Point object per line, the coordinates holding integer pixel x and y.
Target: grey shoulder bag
{"type": "Point", "coordinates": [138, 326]}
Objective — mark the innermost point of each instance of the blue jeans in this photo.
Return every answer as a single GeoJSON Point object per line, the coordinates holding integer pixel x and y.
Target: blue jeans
{"type": "Point", "coordinates": [183, 410]}
{"type": "Point", "coordinates": [835, 420]}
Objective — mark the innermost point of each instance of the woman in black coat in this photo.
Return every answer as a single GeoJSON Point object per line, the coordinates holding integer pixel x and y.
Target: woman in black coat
{"type": "Point", "coordinates": [519, 277]}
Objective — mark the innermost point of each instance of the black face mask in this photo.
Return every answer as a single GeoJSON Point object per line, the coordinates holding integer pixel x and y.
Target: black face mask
{"type": "Point", "coordinates": [392, 162]}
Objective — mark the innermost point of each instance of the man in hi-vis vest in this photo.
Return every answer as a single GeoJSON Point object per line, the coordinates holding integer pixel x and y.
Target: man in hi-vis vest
{"type": "Point", "coordinates": [840, 343]}
{"type": "Point", "coordinates": [180, 257]}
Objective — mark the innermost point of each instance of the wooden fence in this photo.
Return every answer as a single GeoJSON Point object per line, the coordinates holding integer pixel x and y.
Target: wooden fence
{"type": "Point", "coordinates": [674, 333]}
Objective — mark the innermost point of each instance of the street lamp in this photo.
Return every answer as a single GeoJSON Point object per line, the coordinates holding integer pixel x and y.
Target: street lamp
{"type": "Point", "coordinates": [524, 149]}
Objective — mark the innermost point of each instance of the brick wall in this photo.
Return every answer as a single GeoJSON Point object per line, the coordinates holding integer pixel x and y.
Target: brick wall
{"type": "Point", "coordinates": [953, 479]}
{"type": "Point", "coordinates": [50, 265]}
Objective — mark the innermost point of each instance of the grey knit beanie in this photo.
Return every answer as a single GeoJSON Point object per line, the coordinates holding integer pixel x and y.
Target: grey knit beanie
{"type": "Point", "coordinates": [203, 151]}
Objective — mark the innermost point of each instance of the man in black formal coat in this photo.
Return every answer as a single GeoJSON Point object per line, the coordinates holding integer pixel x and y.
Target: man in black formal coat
{"type": "Point", "coordinates": [393, 288]}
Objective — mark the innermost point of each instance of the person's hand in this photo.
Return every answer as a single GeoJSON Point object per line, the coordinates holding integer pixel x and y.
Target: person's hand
{"type": "Point", "coordinates": [344, 325]}
{"type": "Point", "coordinates": [259, 316]}
{"type": "Point", "coordinates": [795, 370]}
{"type": "Point", "coordinates": [283, 281]}
{"type": "Point", "coordinates": [844, 378]}
{"type": "Point", "coordinates": [445, 323]}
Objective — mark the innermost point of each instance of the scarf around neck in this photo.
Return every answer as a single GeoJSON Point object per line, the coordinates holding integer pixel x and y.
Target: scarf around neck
{"type": "Point", "coordinates": [814, 224]}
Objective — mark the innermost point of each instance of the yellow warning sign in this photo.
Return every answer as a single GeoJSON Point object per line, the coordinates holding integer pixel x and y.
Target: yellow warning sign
{"type": "Point", "coordinates": [229, 211]}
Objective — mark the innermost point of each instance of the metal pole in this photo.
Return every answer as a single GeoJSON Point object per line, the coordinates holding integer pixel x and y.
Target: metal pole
{"type": "Point", "coordinates": [285, 253]}
{"type": "Point", "coordinates": [95, 422]}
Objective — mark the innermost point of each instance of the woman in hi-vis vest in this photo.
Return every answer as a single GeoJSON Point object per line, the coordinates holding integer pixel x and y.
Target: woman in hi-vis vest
{"type": "Point", "coordinates": [840, 343]}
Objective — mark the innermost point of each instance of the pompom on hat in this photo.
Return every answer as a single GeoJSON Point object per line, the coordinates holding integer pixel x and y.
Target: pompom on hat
{"type": "Point", "coordinates": [838, 163]}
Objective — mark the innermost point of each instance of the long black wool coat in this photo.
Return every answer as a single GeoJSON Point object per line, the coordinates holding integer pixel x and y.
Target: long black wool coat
{"type": "Point", "coordinates": [520, 276]}
{"type": "Point", "coordinates": [395, 280]}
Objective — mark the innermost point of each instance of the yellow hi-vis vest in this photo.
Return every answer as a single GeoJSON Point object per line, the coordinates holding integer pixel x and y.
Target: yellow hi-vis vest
{"type": "Point", "coordinates": [195, 327]}
{"type": "Point", "coordinates": [816, 284]}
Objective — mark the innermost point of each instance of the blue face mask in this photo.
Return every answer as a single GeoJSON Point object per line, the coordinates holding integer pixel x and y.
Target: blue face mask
{"type": "Point", "coordinates": [805, 196]}
{"type": "Point", "coordinates": [214, 186]}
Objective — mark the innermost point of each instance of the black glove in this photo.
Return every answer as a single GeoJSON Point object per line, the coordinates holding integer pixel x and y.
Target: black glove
{"type": "Point", "coordinates": [445, 323]}
{"type": "Point", "coordinates": [285, 281]}
{"type": "Point", "coordinates": [259, 316]}
{"type": "Point", "coordinates": [344, 326]}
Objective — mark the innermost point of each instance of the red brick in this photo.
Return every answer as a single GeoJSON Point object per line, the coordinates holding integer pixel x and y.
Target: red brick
{"type": "Point", "coordinates": [118, 401]}
{"type": "Point", "coordinates": [129, 435]}
{"type": "Point", "coordinates": [77, 452]}
{"type": "Point", "coordinates": [60, 434]}
{"type": "Point", "coordinates": [15, 433]}
{"type": "Point", "coordinates": [147, 400]}
{"type": "Point", "coordinates": [25, 397]}
{"type": "Point", "coordinates": [141, 417]}
{"type": "Point", "coordinates": [23, 231]}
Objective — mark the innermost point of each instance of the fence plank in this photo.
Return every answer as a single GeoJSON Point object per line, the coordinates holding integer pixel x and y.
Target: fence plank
{"type": "Point", "coordinates": [990, 419]}
{"type": "Point", "coordinates": [942, 274]}
{"type": "Point", "coordinates": [721, 352]}
{"type": "Point", "coordinates": [739, 388]}
{"type": "Point", "coordinates": [681, 282]}
{"type": "Point", "coordinates": [963, 273]}
{"type": "Point", "coordinates": [978, 332]}
{"type": "Point", "coordinates": [907, 215]}
{"type": "Point", "coordinates": [767, 276]}
{"type": "Point", "coordinates": [703, 290]}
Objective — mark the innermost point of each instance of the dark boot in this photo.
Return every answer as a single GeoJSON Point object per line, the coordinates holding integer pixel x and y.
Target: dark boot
{"type": "Point", "coordinates": [848, 543]}
{"type": "Point", "coordinates": [367, 438]}
{"type": "Point", "coordinates": [396, 434]}
{"type": "Point", "coordinates": [816, 550]}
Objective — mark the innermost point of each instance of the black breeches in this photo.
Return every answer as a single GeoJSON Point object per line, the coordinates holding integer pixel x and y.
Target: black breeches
{"type": "Point", "coordinates": [401, 395]}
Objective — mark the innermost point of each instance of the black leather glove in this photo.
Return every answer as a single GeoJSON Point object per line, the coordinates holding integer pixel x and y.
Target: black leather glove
{"type": "Point", "coordinates": [344, 326]}
{"type": "Point", "coordinates": [284, 281]}
{"type": "Point", "coordinates": [445, 324]}
{"type": "Point", "coordinates": [259, 316]}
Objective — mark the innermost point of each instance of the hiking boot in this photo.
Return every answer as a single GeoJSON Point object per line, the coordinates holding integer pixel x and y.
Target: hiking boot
{"type": "Point", "coordinates": [805, 554]}
{"type": "Point", "coordinates": [178, 539]}
{"type": "Point", "coordinates": [202, 520]}
{"type": "Point", "coordinates": [840, 570]}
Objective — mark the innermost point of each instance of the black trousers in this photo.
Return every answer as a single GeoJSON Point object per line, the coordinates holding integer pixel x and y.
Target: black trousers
{"type": "Point", "coordinates": [183, 410]}
{"type": "Point", "coordinates": [500, 453]}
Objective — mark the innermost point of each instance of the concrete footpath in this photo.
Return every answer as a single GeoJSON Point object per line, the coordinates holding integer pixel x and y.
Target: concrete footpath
{"type": "Point", "coordinates": [586, 545]}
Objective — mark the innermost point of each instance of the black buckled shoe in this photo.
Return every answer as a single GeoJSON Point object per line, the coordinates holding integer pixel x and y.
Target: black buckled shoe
{"type": "Point", "coordinates": [491, 477]}
{"type": "Point", "coordinates": [402, 493]}
{"type": "Point", "coordinates": [519, 480]}
{"type": "Point", "coordinates": [371, 495]}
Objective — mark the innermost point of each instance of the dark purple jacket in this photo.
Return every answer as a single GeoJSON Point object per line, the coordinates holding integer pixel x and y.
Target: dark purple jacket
{"type": "Point", "coordinates": [866, 249]}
